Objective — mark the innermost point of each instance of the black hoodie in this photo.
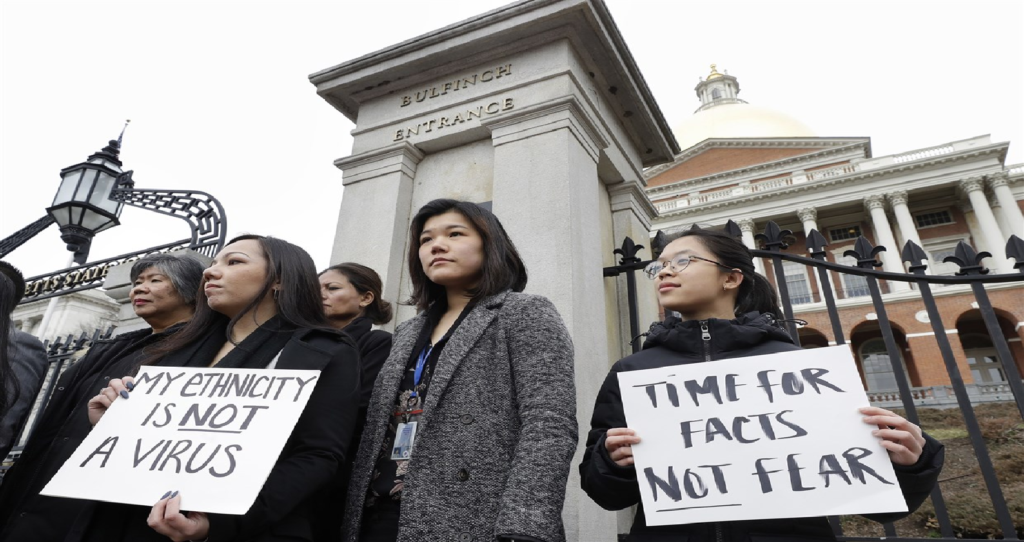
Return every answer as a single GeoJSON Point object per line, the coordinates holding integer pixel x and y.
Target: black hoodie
{"type": "Point", "coordinates": [675, 342]}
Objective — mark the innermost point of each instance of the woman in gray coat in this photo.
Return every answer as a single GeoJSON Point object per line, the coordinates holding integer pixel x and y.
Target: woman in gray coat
{"type": "Point", "coordinates": [472, 425]}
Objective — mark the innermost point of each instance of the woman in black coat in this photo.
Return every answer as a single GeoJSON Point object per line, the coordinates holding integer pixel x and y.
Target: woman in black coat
{"type": "Point", "coordinates": [353, 304]}
{"type": "Point", "coordinates": [164, 290]}
{"type": "Point", "coordinates": [260, 308]}
{"type": "Point", "coordinates": [728, 311]}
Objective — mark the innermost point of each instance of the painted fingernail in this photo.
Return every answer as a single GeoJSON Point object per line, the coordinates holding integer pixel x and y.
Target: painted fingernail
{"type": "Point", "coordinates": [124, 394]}
{"type": "Point", "coordinates": [130, 385]}
{"type": "Point", "coordinates": [175, 494]}
{"type": "Point", "coordinates": [168, 494]}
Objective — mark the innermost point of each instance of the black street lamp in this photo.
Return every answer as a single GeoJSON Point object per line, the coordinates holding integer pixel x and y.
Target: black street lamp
{"type": "Point", "coordinates": [89, 200]}
{"type": "Point", "coordinates": [82, 207]}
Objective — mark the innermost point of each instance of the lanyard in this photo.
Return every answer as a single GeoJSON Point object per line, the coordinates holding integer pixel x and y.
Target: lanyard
{"type": "Point", "coordinates": [421, 362]}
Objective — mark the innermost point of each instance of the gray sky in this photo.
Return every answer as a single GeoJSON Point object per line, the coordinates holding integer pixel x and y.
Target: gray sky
{"type": "Point", "coordinates": [219, 98]}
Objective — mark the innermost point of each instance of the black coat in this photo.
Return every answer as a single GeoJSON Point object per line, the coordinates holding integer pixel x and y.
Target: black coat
{"type": "Point", "coordinates": [26, 515]}
{"type": "Point", "coordinates": [676, 343]}
{"type": "Point", "coordinates": [28, 364]}
{"type": "Point", "coordinates": [374, 346]}
{"type": "Point", "coordinates": [287, 506]}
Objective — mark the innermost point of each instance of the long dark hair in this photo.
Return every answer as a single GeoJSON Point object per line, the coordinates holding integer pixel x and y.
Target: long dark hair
{"type": "Point", "coordinates": [12, 289]}
{"type": "Point", "coordinates": [755, 292]}
{"type": "Point", "coordinates": [299, 304]}
{"type": "Point", "coordinates": [502, 270]}
{"type": "Point", "coordinates": [364, 279]}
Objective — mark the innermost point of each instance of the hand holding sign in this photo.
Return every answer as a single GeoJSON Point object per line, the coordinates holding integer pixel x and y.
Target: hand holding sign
{"type": "Point", "coordinates": [902, 439]}
{"type": "Point", "coordinates": [166, 518]}
{"type": "Point", "coordinates": [99, 404]}
{"type": "Point", "coordinates": [619, 443]}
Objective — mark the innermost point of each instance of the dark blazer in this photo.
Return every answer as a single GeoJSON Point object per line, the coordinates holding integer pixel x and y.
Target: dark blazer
{"type": "Point", "coordinates": [24, 514]}
{"type": "Point", "coordinates": [374, 347]}
{"type": "Point", "coordinates": [28, 363]}
{"type": "Point", "coordinates": [498, 431]}
{"type": "Point", "coordinates": [285, 509]}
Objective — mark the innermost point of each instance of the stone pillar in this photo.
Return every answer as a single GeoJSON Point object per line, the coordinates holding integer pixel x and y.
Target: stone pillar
{"type": "Point", "coordinates": [378, 191]}
{"type": "Point", "coordinates": [557, 222]}
{"type": "Point", "coordinates": [632, 213]}
{"type": "Point", "coordinates": [875, 205]}
{"type": "Point", "coordinates": [1000, 185]}
{"type": "Point", "coordinates": [905, 221]}
{"type": "Point", "coordinates": [747, 227]}
{"type": "Point", "coordinates": [1001, 219]}
{"type": "Point", "coordinates": [974, 188]}
{"type": "Point", "coordinates": [809, 217]}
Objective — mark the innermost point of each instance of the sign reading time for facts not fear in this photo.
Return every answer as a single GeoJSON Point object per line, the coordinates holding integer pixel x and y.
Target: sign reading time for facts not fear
{"type": "Point", "coordinates": [772, 436]}
{"type": "Point", "coordinates": [211, 434]}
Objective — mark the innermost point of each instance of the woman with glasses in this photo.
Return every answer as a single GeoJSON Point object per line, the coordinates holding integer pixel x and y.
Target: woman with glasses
{"type": "Point", "coordinates": [727, 311]}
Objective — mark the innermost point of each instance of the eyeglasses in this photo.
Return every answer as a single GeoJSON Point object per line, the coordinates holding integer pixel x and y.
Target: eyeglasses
{"type": "Point", "coordinates": [677, 264]}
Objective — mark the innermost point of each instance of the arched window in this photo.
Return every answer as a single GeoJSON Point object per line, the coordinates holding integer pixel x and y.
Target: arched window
{"type": "Point", "coordinates": [982, 359]}
{"type": "Point", "coordinates": [716, 94]}
{"type": "Point", "coordinates": [874, 359]}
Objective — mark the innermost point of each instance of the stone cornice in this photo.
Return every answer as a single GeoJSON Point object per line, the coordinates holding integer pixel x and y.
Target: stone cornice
{"type": "Point", "coordinates": [857, 177]}
{"type": "Point", "coordinates": [775, 167]}
{"type": "Point", "coordinates": [519, 124]}
{"type": "Point", "coordinates": [630, 195]}
{"type": "Point", "coordinates": [757, 143]}
{"type": "Point", "coordinates": [403, 156]}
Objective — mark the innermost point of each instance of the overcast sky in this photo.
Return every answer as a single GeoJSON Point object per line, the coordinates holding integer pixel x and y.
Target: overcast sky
{"type": "Point", "coordinates": [220, 101]}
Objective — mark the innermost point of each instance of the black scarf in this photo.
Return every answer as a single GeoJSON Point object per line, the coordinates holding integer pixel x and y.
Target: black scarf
{"type": "Point", "coordinates": [254, 352]}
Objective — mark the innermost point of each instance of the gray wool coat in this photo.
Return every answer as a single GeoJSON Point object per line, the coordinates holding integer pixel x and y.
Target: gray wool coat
{"type": "Point", "coordinates": [498, 432]}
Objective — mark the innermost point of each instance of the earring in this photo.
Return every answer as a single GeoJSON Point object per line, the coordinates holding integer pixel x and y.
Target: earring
{"type": "Point", "coordinates": [275, 294]}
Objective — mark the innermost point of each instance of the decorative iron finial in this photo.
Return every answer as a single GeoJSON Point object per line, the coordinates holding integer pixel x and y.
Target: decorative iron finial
{"type": "Point", "coordinates": [659, 243]}
{"type": "Point", "coordinates": [774, 237]}
{"type": "Point", "coordinates": [968, 260]}
{"type": "Point", "coordinates": [120, 137]}
{"type": "Point", "coordinates": [733, 229]}
{"type": "Point", "coordinates": [865, 253]}
{"type": "Point", "coordinates": [915, 256]}
{"type": "Point", "coordinates": [816, 243]}
{"type": "Point", "coordinates": [1015, 250]}
{"type": "Point", "coordinates": [628, 251]}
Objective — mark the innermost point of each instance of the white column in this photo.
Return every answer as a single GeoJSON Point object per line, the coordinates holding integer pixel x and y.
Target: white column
{"type": "Point", "coordinates": [546, 183]}
{"type": "Point", "coordinates": [809, 217]}
{"type": "Point", "coordinates": [1001, 218]}
{"type": "Point", "coordinates": [974, 187]}
{"type": "Point", "coordinates": [747, 227]}
{"type": "Point", "coordinates": [1000, 185]}
{"type": "Point", "coordinates": [905, 221]}
{"type": "Point", "coordinates": [378, 191]}
{"type": "Point", "coordinates": [875, 205]}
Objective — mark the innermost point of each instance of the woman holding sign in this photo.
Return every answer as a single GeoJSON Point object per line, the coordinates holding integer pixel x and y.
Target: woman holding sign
{"type": "Point", "coordinates": [260, 309]}
{"type": "Point", "coordinates": [163, 293]}
{"type": "Point", "coordinates": [471, 426]}
{"type": "Point", "coordinates": [728, 311]}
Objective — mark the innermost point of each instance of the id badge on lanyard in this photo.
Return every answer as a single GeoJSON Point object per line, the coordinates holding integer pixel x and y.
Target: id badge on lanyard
{"type": "Point", "coordinates": [405, 433]}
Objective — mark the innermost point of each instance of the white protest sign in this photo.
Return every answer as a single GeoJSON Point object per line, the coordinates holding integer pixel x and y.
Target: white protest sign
{"type": "Point", "coordinates": [773, 436]}
{"type": "Point", "coordinates": [211, 434]}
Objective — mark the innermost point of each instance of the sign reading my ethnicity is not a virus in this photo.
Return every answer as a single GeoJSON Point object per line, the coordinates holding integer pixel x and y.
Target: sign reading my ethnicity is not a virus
{"type": "Point", "coordinates": [775, 436]}
{"type": "Point", "coordinates": [211, 434]}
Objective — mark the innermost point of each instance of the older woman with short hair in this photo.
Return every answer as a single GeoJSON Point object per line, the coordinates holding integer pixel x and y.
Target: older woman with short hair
{"type": "Point", "coordinates": [164, 292]}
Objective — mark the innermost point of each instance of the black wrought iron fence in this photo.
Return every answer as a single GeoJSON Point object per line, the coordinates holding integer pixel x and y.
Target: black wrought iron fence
{"type": "Point", "coordinates": [971, 273]}
{"type": "Point", "coordinates": [60, 354]}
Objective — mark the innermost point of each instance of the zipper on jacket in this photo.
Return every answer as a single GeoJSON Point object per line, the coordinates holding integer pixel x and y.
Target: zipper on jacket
{"type": "Point", "coordinates": [718, 532]}
{"type": "Point", "coordinates": [705, 335]}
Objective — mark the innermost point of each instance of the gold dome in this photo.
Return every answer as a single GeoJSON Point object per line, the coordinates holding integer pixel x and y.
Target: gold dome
{"type": "Point", "coordinates": [738, 120]}
{"type": "Point", "coordinates": [714, 73]}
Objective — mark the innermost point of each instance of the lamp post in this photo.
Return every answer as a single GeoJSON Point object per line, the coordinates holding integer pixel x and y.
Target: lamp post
{"type": "Point", "coordinates": [82, 207]}
{"type": "Point", "coordinates": [90, 199]}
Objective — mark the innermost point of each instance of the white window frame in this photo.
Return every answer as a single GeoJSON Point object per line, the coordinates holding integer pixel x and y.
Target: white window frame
{"type": "Point", "coordinates": [942, 244]}
{"type": "Point", "coordinates": [842, 226]}
{"type": "Point", "coordinates": [838, 257]}
{"type": "Point", "coordinates": [915, 214]}
{"type": "Point", "coordinates": [798, 269]}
